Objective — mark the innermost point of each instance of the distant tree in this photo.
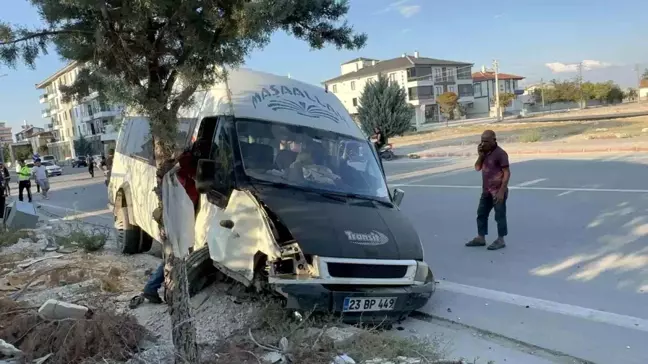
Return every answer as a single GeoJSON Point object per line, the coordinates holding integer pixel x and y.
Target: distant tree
{"type": "Point", "coordinates": [82, 146]}
{"type": "Point", "coordinates": [6, 153]}
{"type": "Point", "coordinates": [448, 103]}
{"type": "Point", "coordinates": [505, 99]}
{"type": "Point", "coordinates": [644, 74]}
{"type": "Point", "coordinates": [589, 90]}
{"type": "Point", "coordinates": [632, 94]}
{"type": "Point", "coordinates": [23, 152]}
{"type": "Point", "coordinates": [615, 95]}
{"type": "Point", "coordinates": [384, 104]}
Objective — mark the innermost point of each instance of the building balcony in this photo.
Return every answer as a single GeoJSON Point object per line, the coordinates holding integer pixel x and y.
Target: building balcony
{"type": "Point", "coordinates": [46, 113]}
{"type": "Point", "coordinates": [92, 96]}
{"type": "Point", "coordinates": [421, 81]}
{"type": "Point", "coordinates": [444, 79]}
{"type": "Point", "coordinates": [42, 98]}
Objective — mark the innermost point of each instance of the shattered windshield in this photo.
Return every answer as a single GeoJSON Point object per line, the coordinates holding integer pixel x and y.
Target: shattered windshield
{"type": "Point", "coordinates": [309, 158]}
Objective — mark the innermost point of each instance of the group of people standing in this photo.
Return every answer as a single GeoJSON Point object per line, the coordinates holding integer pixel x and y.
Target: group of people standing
{"type": "Point", "coordinates": [38, 173]}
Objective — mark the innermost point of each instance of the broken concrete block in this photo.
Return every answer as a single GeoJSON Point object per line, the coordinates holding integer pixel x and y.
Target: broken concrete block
{"type": "Point", "coordinates": [9, 350]}
{"type": "Point", "coordinates": [343, 359]}
{"type": "Point", "coordinates": [22, 215]}
{"type": "Point", "coordinates": [58, 310]}
{"type": "Point", "coordinates": [272, 357]}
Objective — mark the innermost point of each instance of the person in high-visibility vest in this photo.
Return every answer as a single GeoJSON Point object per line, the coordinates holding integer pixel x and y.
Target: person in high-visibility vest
{"type": "Point", "coordinates": [24, 175]}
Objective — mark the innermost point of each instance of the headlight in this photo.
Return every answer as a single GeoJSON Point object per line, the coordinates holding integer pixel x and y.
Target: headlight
{"type": "Point", "coordinates": [423, 273]}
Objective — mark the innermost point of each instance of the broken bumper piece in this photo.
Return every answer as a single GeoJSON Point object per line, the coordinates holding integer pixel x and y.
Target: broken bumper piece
{"type": "Point", "coordinates": [325, 298]}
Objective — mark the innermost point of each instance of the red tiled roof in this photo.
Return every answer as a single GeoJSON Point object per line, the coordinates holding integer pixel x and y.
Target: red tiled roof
{"type": "Point", "coordinates": [483, 76]}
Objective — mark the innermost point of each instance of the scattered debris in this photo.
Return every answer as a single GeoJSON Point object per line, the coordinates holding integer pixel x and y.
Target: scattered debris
{"type": "Point", "coordinates": [29, 262]}
{"type": "Point", "coordinates": [9, 350]}
{"type": "Point", "coordinates": [58, 310]}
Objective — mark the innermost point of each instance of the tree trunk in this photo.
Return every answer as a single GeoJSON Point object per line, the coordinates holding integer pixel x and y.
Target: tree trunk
{"type": "Point", "coordinates": [183, 331]}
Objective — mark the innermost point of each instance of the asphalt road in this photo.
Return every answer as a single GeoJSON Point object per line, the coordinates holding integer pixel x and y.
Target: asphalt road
{"type": "Point", "coordinates": [572, 280]}
{"type": "Point", "coordinates": [574, 275]}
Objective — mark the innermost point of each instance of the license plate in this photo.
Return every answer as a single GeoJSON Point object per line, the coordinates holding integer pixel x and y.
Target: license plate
{"type": "Point", "coordinates": [357, 304]}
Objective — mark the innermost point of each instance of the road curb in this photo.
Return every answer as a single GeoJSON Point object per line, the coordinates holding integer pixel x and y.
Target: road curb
{"type": "Point", "coordinates": [534, 151]}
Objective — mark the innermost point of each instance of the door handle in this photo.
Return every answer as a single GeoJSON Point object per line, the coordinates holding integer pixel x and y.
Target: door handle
{"type": "Point", "coordinates": [227, 224]}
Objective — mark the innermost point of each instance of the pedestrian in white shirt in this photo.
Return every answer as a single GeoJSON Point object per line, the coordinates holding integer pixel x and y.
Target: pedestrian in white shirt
{"type": "Point", "coordinates": [39, 172]}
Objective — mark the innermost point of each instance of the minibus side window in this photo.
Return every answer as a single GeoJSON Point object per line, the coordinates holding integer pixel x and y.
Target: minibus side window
{"type": "Point", "coordinates": [222, 152]}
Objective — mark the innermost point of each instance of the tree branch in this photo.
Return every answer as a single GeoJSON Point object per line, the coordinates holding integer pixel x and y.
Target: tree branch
{"type": "Point", "coordinates": [44, 33]}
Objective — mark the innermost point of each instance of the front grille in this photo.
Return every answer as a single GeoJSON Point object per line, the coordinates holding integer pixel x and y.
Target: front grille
{"type": "Point", "coordinates": [346, 270]}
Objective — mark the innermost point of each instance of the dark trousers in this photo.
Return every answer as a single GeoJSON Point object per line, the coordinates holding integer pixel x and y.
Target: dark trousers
{"type": "Point", "coordinates": [24, 185]}
{"type": "Point", "coordinates": [486, 204]}
{"type": "Point", "coordinates": [155, 281]}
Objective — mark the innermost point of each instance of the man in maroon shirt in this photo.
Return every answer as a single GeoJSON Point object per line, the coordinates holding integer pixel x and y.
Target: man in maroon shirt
{"type": "Point", "coordinates": [494, 165]}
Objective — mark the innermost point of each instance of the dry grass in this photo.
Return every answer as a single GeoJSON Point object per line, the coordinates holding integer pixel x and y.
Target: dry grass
{"type": "Point", "coordinates": [541, 131]}
{"type": "Point", "coordinates": [308, 343]}
{"type": "Point", "coordinates": [11, 237]}
{"type": "Point", "coordinates": [104, 336]}
{"type": "Point", "coordinates": [88, 240]}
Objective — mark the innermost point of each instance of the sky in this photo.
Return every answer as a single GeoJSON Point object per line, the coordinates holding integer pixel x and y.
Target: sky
{"type": "Point", "coordinates": [536, 39]}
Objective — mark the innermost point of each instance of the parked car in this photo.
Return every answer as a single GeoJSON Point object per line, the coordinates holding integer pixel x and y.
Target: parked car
{"type": "Point", "coordinates": [52, 169]}
{"type": "Point", "coordinates": [305, 221]}
{"type": "Point", "coordinates": [49, 158]}
{"type": "Point", "coordinates": [79, 162]}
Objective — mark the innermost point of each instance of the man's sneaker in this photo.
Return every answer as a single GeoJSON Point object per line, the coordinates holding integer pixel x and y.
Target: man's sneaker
{"type": "Point", "coordinates": [478, 241]}
{"type": "Point", "coordinates": [497, 244]}
{"type": "Point", "coordinates": [152, 297]}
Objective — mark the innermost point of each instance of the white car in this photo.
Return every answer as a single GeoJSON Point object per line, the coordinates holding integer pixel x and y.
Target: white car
{"type": "Point", "coordinates": [52, 169]}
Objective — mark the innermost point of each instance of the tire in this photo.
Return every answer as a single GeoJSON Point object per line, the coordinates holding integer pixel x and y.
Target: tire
{"type": "Point", "coordinates": [146, 241]}
{"type": "Point", "coordinates": [200, 270]}
{"type": "Point", "coordinates": [128, 235]}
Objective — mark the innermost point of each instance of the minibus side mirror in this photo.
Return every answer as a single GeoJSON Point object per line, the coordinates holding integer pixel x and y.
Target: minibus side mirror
{"type": "Point", "coordinates": [206, 175]}
{"type": "Point", "coordinates": [397, 197]}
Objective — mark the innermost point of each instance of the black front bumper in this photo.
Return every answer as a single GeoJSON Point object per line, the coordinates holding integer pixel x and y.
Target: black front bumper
{"type": "Point", "coordinates": [324, 298]}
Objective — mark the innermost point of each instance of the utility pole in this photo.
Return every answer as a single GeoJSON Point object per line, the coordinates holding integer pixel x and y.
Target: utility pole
{"type": "Point", "coordinates": [497, 102]}
{"type": "Point", "coordinates": [542, 91]}
{"type": "Point", "coordinates": [638, 81]}
{"type": "Point", "coordinates": [580, 84]}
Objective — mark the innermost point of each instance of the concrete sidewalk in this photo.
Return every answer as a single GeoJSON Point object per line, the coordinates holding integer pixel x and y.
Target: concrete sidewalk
{"type": "Point", "coordinates": [554, 147]}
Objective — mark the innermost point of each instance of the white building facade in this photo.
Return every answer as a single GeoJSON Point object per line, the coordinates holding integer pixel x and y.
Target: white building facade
{"type": "Point", "coordinates": [69, 121]}
{"type": "Point", "coordinates": [422, 78]}
{"type": "Point", "coordinates": [484, 87]}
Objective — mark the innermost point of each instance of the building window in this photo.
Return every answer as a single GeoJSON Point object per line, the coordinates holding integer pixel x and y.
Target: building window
{"type": "Point", "coordinates": [392, 77]}
{"type": "Point", "coordinates": [335, 88]}
{"type": "Point", "coordinates": [501, 86]}
{"type": "Point", "coordinates": [464, 73]}
{"type": "Point", "coordinates": [438, 90]}
{"type": "Point", "coordinates": [465, 90]}
{"type": "Point", "coordinates": [451, 88]}
{"type": "Point", "coordinates": [420, 93]}
{"type": "Point", "coordinates": [355, 101]}
{"type": "Point", "coordinates": [352, 85]}
{"type": "Point", "coordinates": [477, 89]}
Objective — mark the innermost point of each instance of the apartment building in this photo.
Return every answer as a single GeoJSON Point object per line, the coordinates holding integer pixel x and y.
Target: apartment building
{"type": "Point", "coordinates": [6, 135]}
{"type": "Point", "coordinates": [27, 131]}
{"type": "Point", "coordinates": [423, 79]}
{"type": "Point", "coordinates": [69, 121]}
{"type": "Point", "coordinates": [484, 87]}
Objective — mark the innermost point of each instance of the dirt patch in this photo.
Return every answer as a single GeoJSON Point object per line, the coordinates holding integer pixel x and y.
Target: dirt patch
{"type": "Point", "coordinates": [529, 132]}
{"type": "Point", "coordinates": [105, 336]}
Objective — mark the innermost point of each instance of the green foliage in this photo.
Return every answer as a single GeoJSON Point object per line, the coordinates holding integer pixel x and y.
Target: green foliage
{"type": "Point", "coordinates": [505, 99]}
{"type": "Point", "coordinates": [153, 55]}
{"type": "Point", "coordinates": [632, 94]}
{"type": "Point", "coordinates": [82, 146]}
{"type": "Point", "coordinates": [569, 91]}
{"type": "Point", "coordinates": [23, 152]}
{"type": "Point", "coordinates": [448, 103]}
{"type": "Point", "coordinates": [644, 75]}
{"type": "Point", "coordinates": [384, 104]}
{"type": "Point", "coordinates": [6, 152]}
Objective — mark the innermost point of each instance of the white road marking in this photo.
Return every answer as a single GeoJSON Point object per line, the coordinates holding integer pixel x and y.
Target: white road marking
{"type": "Point", "coordinates": [609, 318]}
{"type": "Point", "coordinates": [84, 215]}
{"type": "Point", "coordinates": [532, 182]}
{"type": "Point", "coordinates": [572, 189]}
